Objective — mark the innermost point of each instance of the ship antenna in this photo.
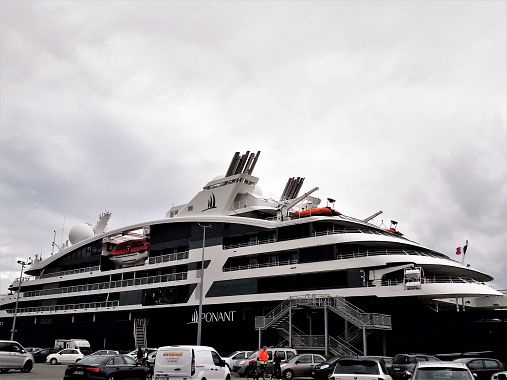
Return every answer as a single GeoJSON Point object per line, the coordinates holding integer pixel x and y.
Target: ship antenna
{"type": "Point", "coordinates": [53, 245]}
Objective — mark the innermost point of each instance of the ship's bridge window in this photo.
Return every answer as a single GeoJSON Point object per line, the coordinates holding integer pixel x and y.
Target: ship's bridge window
{"type": "Point", "coordinates": [295, 231]}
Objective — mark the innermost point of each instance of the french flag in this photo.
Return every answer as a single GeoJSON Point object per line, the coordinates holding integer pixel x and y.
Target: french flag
{"type": "Point", "coordinates": [462, 250]}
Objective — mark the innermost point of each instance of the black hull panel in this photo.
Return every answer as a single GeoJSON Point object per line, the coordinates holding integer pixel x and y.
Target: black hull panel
{"type": "Point", "coordinates": [416, 327]}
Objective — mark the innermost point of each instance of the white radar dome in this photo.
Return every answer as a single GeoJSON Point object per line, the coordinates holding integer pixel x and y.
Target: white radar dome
{"type": "Point", "coordinates": [257, 191]}
{"type": "Point", "coordinates": [80, 232]}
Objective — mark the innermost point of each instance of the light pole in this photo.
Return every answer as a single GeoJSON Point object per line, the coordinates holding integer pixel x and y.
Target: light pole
{"type": "Point", "coordinates": [201, 286]}
{"type": "Point", "coordinates": [23, 263]}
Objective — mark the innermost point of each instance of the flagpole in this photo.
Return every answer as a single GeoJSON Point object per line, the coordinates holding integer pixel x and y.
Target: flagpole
{"type": "Point", "coordinates": [464, 252]}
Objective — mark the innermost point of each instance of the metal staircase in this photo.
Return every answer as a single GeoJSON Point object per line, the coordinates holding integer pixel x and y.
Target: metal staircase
{"type": "Point", "coordinates": [279, 317]}
{"type": "Point", "coordinates": [140, 338]}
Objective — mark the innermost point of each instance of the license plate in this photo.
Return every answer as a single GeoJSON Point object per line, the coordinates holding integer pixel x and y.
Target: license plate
{"type": "Point", "coordinates": [78, 372]}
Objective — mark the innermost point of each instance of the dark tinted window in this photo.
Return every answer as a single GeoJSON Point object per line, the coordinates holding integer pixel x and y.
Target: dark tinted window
{"type": "Point", "coordinates": [475, 364]}
{"type": "Point", "coordinates": [290, 355]}
{"type": "Point", "coordinates": [401, 359]}
{"type": "Point", "coordinates": [441, 373]}
{"type": "Point", "coordinates": [357, 367]}
{"type": "Point", "coordinates": [129, 360]}
{"type": "Point", "coordinates": [94, 359]}
{"type": "Point", "coordinates": [216, 358]}
{"type": "Point", "coordinates": [117, 360]}
{"type": "Point", "coordinates": [305, 359]}
{"type": "Point", "coordinates": [491, 364]}
{"type": "Point", "coordinates": [317, 359]}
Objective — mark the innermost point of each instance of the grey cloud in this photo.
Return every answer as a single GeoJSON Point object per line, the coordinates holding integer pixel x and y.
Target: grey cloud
{"type": "Point", "coordinates": [393, 106]}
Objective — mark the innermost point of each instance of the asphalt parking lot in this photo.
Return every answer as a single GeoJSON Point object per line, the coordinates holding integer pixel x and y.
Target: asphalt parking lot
{"type": "Point", "coordinates": [40, 371]}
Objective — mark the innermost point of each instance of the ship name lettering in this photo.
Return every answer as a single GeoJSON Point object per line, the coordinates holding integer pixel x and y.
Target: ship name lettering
{"type": "Point", "coordinates": [220, 316]}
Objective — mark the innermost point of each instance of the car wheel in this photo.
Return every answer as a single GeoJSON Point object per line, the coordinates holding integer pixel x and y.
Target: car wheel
{"type": "Point", "coordinates": [289, 374]}
{"type": "Point", "coordinates": [27, 367]}
{"type": "Point", "coordinates": [53, 361]}
{"type": "Point", "coordinates": [111, 377]}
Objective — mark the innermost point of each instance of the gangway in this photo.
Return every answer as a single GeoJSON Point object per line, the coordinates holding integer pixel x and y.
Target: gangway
{"type": "Point", "coordinates": [280, 318]}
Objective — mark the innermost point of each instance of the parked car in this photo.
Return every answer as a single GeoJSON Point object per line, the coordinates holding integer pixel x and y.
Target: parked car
{"type": "Point", "coordinates": [483, 368]}
{"type": "Point", "coordinates": [190, 363]}
{"type": "Point", "coordinates": [301, 365]}
{"type": "Point", "coordinates": [499, 376]}
{"type": "Point", "coordinates": [247, 367]}
{"type": "Point", "coordinates": [41, 354]}
{"type": "Point", "coordinates": [32, 349]}
{"type": "Point", "coordinates": [14, 356]}
{"type": "Point", "coordinates": [150, 360]}
{"type": "Point", "coordinates": [407, 362]}
{"type": "Point", "coordinates": [107, 367]}
{"type": "Point", "coordinates": [236, 356]}
{"type": "Point", "coordinates": [68, 355]}
{"type": "Point", "coordinates": [441, 370]}
{"type": "Point", "coordinates": [388, 360]}
{"type": "Point", "coordinates": [323, 370]}
{"type": "Point", "coordinates": [359, 369]}
{"type": "Point", "coordinates": [105, 352]}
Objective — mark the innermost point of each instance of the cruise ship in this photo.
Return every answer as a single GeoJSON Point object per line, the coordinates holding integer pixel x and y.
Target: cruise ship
{"type": "Point", "coordinates": [292, 271]}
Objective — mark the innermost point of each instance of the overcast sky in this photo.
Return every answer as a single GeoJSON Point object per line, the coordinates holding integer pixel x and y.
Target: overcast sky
{"type": "Point", "coordinates": [133, 106]}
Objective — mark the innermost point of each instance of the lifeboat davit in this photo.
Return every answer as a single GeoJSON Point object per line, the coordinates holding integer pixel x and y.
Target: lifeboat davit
{"type": "Point", "coordinates": [319, 211]}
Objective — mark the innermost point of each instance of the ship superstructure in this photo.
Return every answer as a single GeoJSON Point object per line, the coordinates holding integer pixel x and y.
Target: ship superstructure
{"type": "Point", "coordinates": [127, 286]}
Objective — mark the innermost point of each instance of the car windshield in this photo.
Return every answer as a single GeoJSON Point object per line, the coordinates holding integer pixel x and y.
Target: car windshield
{"type": "Point", "coordinates": [95, 359]}
{"type": "Point", "coordinates": [356, 367]}
{"type": "Point", "coordinates": [442, 373]}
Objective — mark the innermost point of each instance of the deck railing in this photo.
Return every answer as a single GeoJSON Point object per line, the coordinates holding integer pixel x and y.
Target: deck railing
{"type": "Point", "coordinates": [339, 256]}
{"type": "Point", "coordinates": [168, 257]}
{"type": "Point", "coordinates": [76, 306]}
{"type": "Point", "coordinates": [108, 285]}
{"type": "Point", "coordinates": [71, 271]}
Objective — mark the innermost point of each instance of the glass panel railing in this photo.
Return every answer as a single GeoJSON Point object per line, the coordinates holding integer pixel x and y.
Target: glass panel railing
{"type": "Point", "coordinates": [168, 257]}
{"type": "Point", "coordinates": [78, 306]}
{"type": "Point", "coordinates": [71, 271]}
{"type": "Point", "coordinates": [339, 256]}
{"type": "Point", "coordinates": [107, 285]}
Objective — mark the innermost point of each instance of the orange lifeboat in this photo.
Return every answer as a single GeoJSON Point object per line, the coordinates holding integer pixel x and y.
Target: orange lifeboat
{"type": "Point", "coordinates": [320, 211]}
{"type": "Point", "coordinates": [393, 231]}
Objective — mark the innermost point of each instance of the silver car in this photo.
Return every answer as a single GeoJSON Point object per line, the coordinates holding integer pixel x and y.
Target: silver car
{"type": "Point", "coordinates": [14, 356]}
{"type": "Point", "coordinates": [301, 365]}
{"type": "Point", "coordinates": [441, 370]}
{"type": "Point", "coordinates": [360, 368]}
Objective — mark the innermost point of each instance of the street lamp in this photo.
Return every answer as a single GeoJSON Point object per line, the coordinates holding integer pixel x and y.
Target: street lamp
{"type": "Point", "coordinates": [22, 263]}
{"type": "Point", "coordinates": [201, 286]}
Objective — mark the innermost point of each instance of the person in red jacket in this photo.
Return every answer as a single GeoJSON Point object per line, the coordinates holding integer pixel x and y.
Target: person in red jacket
{"type": "Point", "coordinates": [263, 361]}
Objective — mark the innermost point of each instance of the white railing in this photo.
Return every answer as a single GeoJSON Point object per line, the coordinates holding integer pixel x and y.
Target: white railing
{"type": "Point", "coordinates": [339, 256]}
{"type": "Point", "coordinates": [108, 285]}
{"type": "Point", "coordinates": [71, 271]}
{"type": "Point", "coordinates": [257, 265]}
{"type": "Point", "coordinates": [169, 257]}
{"type": "Point", "coordinates": [76, 306]}
{"type": "Point", "coordinates": [251, 242]}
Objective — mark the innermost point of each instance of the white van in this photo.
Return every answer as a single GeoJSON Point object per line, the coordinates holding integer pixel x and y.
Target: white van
{"type": "Point", "coordinates": [189, 362]}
